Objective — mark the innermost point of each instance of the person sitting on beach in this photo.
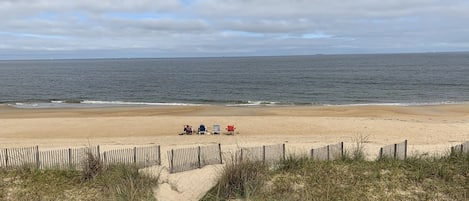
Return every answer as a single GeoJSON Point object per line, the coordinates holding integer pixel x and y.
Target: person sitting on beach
{"type": "Point", "coordinates": [188, 129]}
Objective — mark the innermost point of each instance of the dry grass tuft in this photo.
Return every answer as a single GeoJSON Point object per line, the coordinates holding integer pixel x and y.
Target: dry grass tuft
{"type": "Point", "coordinates": [353, 178]}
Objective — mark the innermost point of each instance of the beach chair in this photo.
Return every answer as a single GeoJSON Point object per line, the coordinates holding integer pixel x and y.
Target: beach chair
{"type": "Point", "coordinates": [230, 129]}
{"type": "Point", "coordinates": [216, 129]}
{"type": "Point", "coordinates": [202, 130]}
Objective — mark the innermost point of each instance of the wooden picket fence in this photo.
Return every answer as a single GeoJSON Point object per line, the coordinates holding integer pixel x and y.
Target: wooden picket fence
{"type": "Point", "coordinates": [194, 157]}
{"type": "Point", "coordinates": [180, 160]}
{"type": "Point", "coordinates": [460, 148]}
{"type": "Point", "coordinates": [74, 158]}
{"type": "Point", "coordinates": [329, 152]}
{"type": "Point", "coordinates": [394, 151]}
{"type": "Point", "coordinates": [266, 153]}
{"type": "Point", "coordinates": [139, 156]}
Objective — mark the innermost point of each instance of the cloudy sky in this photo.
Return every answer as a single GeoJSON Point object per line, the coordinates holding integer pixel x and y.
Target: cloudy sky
{"type": "Point", "coordinates": [31, 29]}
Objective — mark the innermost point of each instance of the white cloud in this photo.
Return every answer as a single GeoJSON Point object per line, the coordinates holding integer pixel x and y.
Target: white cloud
{"type": "Point", "coordinates": [275, 9]}
{"type": "Point", "coordinates": [232, 27]}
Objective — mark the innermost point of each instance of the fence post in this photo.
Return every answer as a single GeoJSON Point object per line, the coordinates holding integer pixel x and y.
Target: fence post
{"type": "Point", "coordinates": [198, 156]}
{"type": "Point", "coordinates": [6, 157]}
{"type": "Point", "coordinates": [395, 151]}
{"type": "Point", "coordinates": [341, 149]}
{"type": "Point", "coordinates": [312, 153]}
{"type": "Point", "coordinates": [283, 147]}
{"type": "Point", "coordinates": [171, 161]}
{"type": "Point", "coordinates": [37, 157]}
{"type": "Point", "coordinates": [328, 158]}
{"type": "Point", "coordinates": [219, 149]}
{"type": "Point", "coordinates": [104, 159]}
{"type": "Point", "coordinates": [381, 153]}
{"type": "Point", "coordinates": [263, 153]}
{"type": "Point", "coordinates": [69, 158]}
{"type": "Point", "coordinates": [405, 149]}
{"type": "Point", "coordinates": [159, 155]}
{"type": "Point", "coordinates": [241, 157]}
{"type": "Point", "coordinates": [99, 154]}
{"type": "Point", "coordinates": [135, 155]}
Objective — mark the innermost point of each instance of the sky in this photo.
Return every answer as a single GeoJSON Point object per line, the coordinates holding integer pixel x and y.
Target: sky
{"type": "Point", "coordinates": [55, 29]}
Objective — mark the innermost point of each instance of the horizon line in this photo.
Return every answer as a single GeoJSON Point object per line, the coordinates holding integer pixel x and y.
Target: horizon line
{"type": "Point", "coordinates": [235, 56]}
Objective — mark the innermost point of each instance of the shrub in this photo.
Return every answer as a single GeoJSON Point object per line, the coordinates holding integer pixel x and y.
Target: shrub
{"type": "Point", "coordinates": [92, 167]}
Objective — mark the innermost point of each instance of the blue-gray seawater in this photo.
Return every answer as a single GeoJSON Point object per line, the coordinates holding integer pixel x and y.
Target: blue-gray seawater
{"type": "Point", "coordinates": [431, 78]}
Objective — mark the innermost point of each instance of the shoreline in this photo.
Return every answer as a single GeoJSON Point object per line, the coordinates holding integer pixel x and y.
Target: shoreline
{"type": "Point", "coordinates": [83, 104]}
{"type": "Point", "coordinates": [449, 110]}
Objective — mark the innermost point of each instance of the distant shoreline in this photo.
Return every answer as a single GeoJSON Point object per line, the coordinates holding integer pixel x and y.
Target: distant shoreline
{"type": "Point", "coordinates": [234, 56]}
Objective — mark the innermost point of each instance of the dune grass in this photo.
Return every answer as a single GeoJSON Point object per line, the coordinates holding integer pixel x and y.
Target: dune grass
{"type": "Point", "coordinates": [351, 178]}
{"type": "Point", "coordinates": [94, 182]}
{"type": "Point", "coordinates": [239, 179]}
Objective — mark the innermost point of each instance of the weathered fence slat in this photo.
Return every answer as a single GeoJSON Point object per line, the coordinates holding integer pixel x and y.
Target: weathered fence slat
{"type": "Point", "coordinates": [18, 157]}
{"type": "Point", "coordinates": [274, 153]}
{"type": "Point", "coordinates": [460, 148]}
{"type": "Point", "coordinates": [74, 158]}
{"type": "Point", "coordinates": [139, 156]}
{"type": "Point", "coordinates": [265, 153]}
{"type": "Point", "coordinates": [328, 152]}
{"type": "Point", "coordinates": [194, 157]}
{"type": "Point", "coordinates": [395, 151]}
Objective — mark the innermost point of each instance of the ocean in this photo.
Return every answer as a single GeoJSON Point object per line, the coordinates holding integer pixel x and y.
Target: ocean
{"type": "Point", "coordinates": [394, 79]}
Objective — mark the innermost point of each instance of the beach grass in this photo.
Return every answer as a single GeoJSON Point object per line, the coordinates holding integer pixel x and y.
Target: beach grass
{"type": "Point", "coordinates": [239, 179]}
{"type": "Point", "coordinates": [118, 182]}
{"type": "Point", "coordinates": [351, 178]}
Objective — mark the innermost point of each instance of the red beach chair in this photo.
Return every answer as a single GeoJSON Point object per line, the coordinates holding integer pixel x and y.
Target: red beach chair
{"type": "Point", "coordinates": [230, 129]}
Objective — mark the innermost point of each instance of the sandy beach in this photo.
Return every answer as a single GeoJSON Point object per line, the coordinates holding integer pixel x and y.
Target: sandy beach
{"type": "Point", "coordinates": [429, 129]}
{"type": "Point", "coordinates": [421, 125]}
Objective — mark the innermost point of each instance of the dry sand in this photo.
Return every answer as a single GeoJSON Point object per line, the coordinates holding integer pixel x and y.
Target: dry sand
{"type": "Point", "coordinates": [421, 125]}
{"type": "Point", "coordinates": [428, 129]}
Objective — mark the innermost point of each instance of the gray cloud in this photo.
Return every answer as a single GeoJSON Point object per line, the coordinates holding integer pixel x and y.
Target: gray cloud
{"type": "Point", "coordinates": [18, 8]}
{"type": "Point", "coordinates": [231, 27]}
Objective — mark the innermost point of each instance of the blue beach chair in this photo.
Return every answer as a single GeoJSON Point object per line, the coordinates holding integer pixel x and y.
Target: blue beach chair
{"type": "Point", "coordinates": [202, 130]}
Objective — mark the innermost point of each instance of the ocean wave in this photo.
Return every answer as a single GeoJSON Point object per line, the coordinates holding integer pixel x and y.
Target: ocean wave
{"type": "Point", "coordinates": [398, 104]}
{"type": "Point", "coordinates": [136, 103]}
{"type": "Point", "coordinates": [90, 104]}
{"type": "Point", "coordinates": [97, 103]}
{"type": "Point", "coordinates": [271, 103]}
{"type": "Point", "coordinates": [258, 103]}
{"type": "Point", "coordinates": [67, 101]}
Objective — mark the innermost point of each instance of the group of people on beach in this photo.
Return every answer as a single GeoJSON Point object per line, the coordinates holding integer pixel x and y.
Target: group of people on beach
{"type": "Point", "coordinates": [203, 130]}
